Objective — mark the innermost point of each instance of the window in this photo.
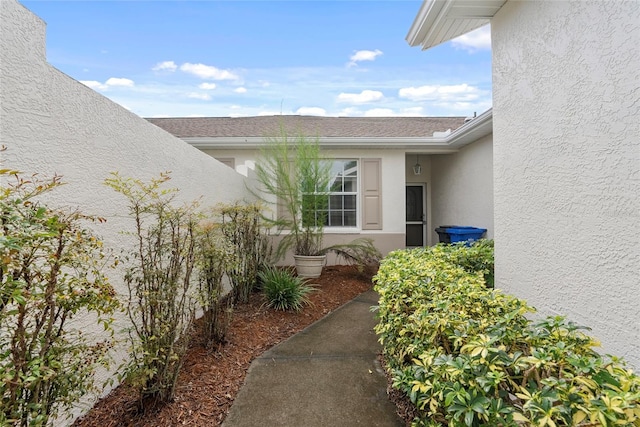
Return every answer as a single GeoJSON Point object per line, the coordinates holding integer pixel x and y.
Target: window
{"type": "Point", "coordinates": [343, 193]}
{"type": "Point", "coordinates": [336, 206]}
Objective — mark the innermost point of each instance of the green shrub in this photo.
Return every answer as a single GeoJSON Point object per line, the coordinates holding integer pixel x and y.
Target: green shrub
{"type": "Point", "coordinates": [243, 230]}
{"type": "Point", "coordinates": [467, 355]}
{"type": "Point", "coordinates": [51, 272]}
{"type": "Point", "coordinates": [284, 290]}
{"type": "Point", "coordinates": [159, 277]}
{"type": "Point", "coordinates": [214, 254]}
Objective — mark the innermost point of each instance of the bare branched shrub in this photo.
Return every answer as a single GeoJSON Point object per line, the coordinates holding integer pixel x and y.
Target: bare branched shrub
{"type": "Point", "coordinates": [161, 285]}
{"type": "Point", "coordinates": [215, 253]}
{"type": "Point", "coordinates": [242, 227]}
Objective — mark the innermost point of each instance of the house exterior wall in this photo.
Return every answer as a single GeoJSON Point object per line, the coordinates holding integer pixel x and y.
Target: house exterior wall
{"type": "Point", "coordinates": [392, 234]}
{"type": "Point", "coordinates": [567, 163]}
{"type": "Point", "coordinates": [52, 124]}
{"type": "Point", "coordinates": [462, 187]}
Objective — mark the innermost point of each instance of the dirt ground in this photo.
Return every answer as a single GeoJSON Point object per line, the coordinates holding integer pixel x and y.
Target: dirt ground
{"type": "Point", "coordinates": [210, 379]}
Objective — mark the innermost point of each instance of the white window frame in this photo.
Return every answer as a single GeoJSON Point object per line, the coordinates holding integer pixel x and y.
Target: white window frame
{"type": "Point", "coordinates": [356, 193]}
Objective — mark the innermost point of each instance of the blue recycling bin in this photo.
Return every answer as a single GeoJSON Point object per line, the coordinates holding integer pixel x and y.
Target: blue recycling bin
{"type": "Point", "coordinates": [465, 234]}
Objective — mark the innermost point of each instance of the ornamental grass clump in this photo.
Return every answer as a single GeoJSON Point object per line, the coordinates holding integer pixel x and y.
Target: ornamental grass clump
{"type": "Point", "coordinates": [51, 272]}
{"type": "Point", "coordinates": [284, 290]}
{"type": "Point", "coordinates": [467, 355]}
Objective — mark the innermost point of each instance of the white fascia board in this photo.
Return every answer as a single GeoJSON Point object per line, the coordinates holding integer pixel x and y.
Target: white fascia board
{"type": "Point", "coordinates": [429, 16]}
{"type": "Point", "coordinates": [252, 143]}
{"type": "Point", "coordinates": [439, 21]}
{"type": "Point", "coordinates": [471, 131]}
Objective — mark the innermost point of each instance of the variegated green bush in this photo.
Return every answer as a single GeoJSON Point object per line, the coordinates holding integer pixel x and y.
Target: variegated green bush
{"type": "Point", "coordinates": [467, 355]}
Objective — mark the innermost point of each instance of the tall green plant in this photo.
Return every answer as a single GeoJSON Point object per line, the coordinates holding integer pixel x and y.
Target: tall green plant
{"type": "Point", "coordinates": [243, 230]}
{"type": "Point", "coordinates": [51, 272]}
{"type": "Point", "coordinates": [159, 278]}
{"type": "Point", "coordinates": [294, 174]}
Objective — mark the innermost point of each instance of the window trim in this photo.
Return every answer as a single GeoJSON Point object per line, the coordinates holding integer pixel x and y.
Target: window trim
{"type": "Point", "coordinates": [339, 229]}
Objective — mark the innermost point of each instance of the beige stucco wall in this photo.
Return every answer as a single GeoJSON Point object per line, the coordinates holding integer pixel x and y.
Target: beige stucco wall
{"type": "Point", "coordinates": [566, 103]}
{"type": "Point", "coordinates": [391, 236]}
{"type": "Point", "coordinates": [52, 124]}
{"type": "Point", "coordinates": [462, 187]}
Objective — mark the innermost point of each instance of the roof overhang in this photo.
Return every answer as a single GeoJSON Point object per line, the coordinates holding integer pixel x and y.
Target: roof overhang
{"type": "Point", "coordinates": [439, 21]}
{"type": "Point", "coordinates": [473, 130]}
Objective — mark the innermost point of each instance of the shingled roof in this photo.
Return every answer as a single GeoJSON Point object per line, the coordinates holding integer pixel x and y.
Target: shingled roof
{"type": "Point", "coordinates": [260, 126]}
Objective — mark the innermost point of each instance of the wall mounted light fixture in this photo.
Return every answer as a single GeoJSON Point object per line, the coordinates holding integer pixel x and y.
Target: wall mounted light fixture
{"type": "Point", "coordinates": [417, 169]}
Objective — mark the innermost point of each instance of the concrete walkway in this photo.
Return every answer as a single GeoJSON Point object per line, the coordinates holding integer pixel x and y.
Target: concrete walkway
{"type": "Point", "coordinates": [326, 375]}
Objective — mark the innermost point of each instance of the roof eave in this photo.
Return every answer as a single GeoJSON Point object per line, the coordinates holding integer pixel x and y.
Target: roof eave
{"type": "Point", "coordinates": [439, 21]}
{"type": "Point", "coordinates": [471, 131]}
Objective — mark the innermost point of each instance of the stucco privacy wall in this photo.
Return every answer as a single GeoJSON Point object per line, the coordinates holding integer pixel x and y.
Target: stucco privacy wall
{"type": "Point", "coordinates": [462, 187]}
{"type": "Point", "coordinates": [51, 123]}
{"type": "Point", "coordinates": [567, 162]}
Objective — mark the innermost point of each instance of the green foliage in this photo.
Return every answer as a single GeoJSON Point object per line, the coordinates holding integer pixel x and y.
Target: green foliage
{"type": "Point", "coordinates": [243, 231]}
{"type": "Point", "coordinates": [214, 255]}
{"type": "Point", "coordinates": [295, 175]}
{"type": "Point", "coordinates": [466, 355]}
{"type": "Point", "coordinates": [51, 271]}
{"type": "Point", "coordinates": [284, 290]}
{"type": "Point", "coordinates": [360, 252]}
{"type": "Point", "coordinates": [474, 258]}
{"type": "Point", "coordinates": [159, 278]}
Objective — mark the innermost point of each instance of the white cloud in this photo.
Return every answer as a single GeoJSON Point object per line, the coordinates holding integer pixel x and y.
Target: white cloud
{"type": "Point", "coordinates": [474, 41]}
{"type": "Point", "coordinates": [363, 97]}
{"type": "Point", "coordinates": [201, 96]}
{"type": "Point", "coordinates": [207, 86]}
{"type": "Point", "coordinates": [240, 90]}
{"type": "Point", "coordinates": [379, 112]}
{"type": "Point", "coordinates": [413, 112]}
{"type": "Point", "coordinates": [115, 81]}
{"type": "Point", "coordinates": [349, 111]}
{"type": "Point", "coordinates": [311, 111]}
{"type": "Point", "coordinates": [450, 93]}
{"type": "Point", "coordinates": [165, 66]}
{"type": "Point", "coordinates": [94, 84]}
{"type": "Point", "coordinates": [208, 72]}
{"type": "Point", "coordinates": [363, 55]}
{"type": "Point", "coordinates": [236, 107]}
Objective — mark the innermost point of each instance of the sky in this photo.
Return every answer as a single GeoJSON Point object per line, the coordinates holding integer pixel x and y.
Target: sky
{"type": "Point", "coordinates": [247, 58]}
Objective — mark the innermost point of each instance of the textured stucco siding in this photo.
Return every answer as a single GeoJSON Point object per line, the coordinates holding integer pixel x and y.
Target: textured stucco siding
{"type": "Point", "coordinates": [52, 124]}
{"type": "Point", "coordinates": [462, 187]}
{"type": "Point", "coordinates": [393, 164]}
{"type": "Point", "coordinates": [566, 103]}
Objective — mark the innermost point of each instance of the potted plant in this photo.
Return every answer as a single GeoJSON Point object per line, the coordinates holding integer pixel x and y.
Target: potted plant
{"type": "Point", "coordinates": [295, 177]}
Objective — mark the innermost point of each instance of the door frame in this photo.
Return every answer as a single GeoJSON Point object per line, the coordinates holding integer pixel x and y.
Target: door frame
{"type": "Point", "coordinates": [426, 237]}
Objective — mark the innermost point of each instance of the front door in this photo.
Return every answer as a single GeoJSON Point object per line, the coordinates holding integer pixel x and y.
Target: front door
{"type": "Point", "coordinates": [416, 218]}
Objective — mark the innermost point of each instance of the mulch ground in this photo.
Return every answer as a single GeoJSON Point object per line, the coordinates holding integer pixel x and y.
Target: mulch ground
{"type": "Point", "coordinates": [211, 378]}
